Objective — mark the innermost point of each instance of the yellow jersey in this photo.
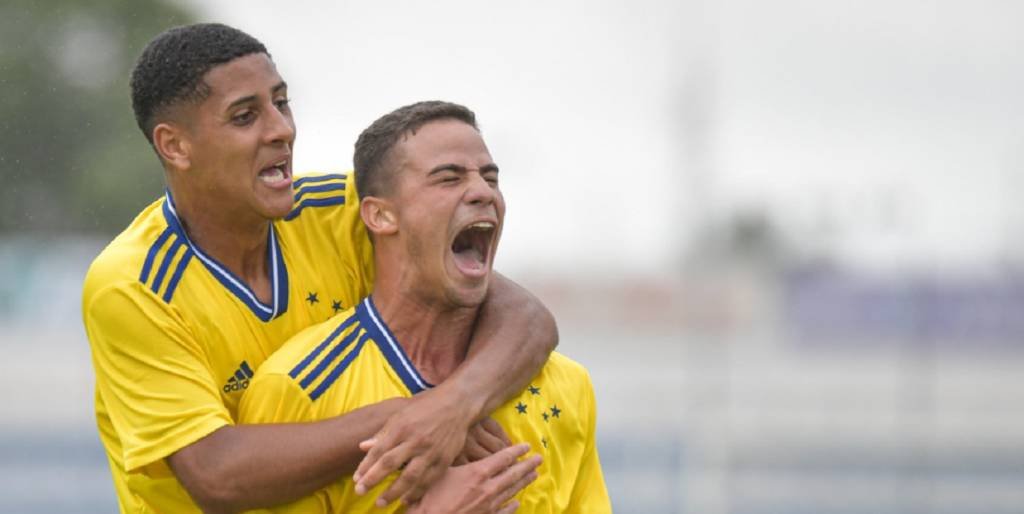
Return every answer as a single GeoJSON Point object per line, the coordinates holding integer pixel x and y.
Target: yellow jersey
{"type": "Point", "coordinates": [354, 360]}
{"type": "Point", "coordinates": [176, 337]}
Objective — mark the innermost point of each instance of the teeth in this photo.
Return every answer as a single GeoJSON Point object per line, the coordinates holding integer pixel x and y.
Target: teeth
{"type": "Point", "coordinates": [272, 175]}
{"type": "Point", "coordinates": [482, 225]}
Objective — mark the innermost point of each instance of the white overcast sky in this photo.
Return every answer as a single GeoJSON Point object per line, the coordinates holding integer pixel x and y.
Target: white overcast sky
{"type": "Point", "coordinates": [888, 132]}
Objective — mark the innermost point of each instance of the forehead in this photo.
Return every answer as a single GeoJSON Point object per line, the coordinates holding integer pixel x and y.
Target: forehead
{"type": "Point", "coordinates": [445, 141]}
{"type": "Point", "coordinates": [247, 75]}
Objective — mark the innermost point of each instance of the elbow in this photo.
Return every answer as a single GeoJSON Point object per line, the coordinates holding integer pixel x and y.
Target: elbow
{"type": "Point", "coordinates": [217, 500]}
{"type": "Point", "coordinates": [549, 329]}
{"type": "Point", "coordinates": [213, 493]}
{"type": "Point", "coordinates": [212, 487]}
{"type": "Point", "coordinates": [544, 328]}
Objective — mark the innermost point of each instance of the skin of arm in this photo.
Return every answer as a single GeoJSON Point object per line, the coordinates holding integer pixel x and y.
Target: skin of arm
{"type": "Point", "coordinates": [512, 338]}
{"type": "Point", "coordinates": [249, 466]}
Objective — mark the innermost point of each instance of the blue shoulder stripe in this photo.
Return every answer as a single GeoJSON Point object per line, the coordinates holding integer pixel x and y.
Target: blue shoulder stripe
{"type": "Point", "coordinates": [318, 178]}
{"type": "Point", "coordinates": [319, 189]}
{"type": "Point", "coordinates": [314, 202]}
{"type": "Point", "coordinates": [347, 322]}
{"type": "Point", "coordinates": [173, 283]}
{"type": "Point", "coordinates": [329, 358]}
{"type": "Point", "coordinates": [172, 250]}
{"type": "Point", "coordinates": [148, 265]}
{"type": "Point", "coordinates": [339, 369]}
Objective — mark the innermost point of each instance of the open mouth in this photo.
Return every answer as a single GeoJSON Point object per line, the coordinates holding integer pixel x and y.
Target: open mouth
{"type": "Point", "coordinates": [472, 247]}
{"type": "Point", "coordinates": [276, 175]}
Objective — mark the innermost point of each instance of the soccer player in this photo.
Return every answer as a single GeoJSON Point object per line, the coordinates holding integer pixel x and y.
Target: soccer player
{"type": "Point", "coordinates": [430, 200]}
{"type": "Point", "coordinates": [236, 258]}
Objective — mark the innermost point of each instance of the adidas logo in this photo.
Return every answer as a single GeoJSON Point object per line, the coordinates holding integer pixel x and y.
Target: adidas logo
{"type": "Point", "coordinates": [240, 380]}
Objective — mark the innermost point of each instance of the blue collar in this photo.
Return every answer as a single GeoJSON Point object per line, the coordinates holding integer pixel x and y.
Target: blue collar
{"type": "Point", "coordinates": [278, 271]}
{"type": "Point", "coordinates": [370, 320]}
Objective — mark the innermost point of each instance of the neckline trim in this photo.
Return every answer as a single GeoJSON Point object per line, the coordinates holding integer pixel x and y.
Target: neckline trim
{"type": "Point", "coordinates": [278, 270]}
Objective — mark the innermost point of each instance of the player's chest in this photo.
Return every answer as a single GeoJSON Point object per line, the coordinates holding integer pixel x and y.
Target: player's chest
{"type": "Point", "coordinates": [235, 342]}
{"type": "Point", "coordinates": [549, 421]}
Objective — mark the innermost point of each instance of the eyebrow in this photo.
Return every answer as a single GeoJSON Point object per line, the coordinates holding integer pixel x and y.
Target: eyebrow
{"type": "Point", "coordinates": [461, 169]}
{"type": "Point", "coordinates": [246, 99]}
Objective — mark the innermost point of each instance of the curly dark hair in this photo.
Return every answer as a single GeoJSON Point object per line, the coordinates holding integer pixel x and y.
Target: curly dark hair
{"type": "Point", "coordinates": [375, 143]}
{"type": "Point", "coordinates": [171, 67]}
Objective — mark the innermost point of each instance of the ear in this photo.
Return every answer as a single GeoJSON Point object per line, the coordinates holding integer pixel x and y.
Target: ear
{"type": "Point", "coordinates": [173, 146]}
{"type": "Point", "coordinates": [379, 216]}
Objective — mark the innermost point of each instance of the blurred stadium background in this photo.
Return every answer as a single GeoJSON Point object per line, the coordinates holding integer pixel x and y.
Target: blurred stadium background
{"type": "Point", "coordinates": [783, 236]}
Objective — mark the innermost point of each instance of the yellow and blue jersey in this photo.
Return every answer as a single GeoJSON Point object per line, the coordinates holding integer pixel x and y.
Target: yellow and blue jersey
{"type": "Point", "coordinates": [353, 360]}
{"type": "Point", "coordinates": [176, 337]}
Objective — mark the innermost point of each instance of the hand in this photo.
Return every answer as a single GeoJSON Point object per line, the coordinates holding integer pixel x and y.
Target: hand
{"type": "Point", "coordinates": [422, 439]}
{"type": "Point", "coordinates": [482, 487]}
{"type": "Point", "coordinates": [484, 439]}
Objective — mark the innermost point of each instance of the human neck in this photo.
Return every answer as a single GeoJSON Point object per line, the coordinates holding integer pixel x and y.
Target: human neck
{"type": "Point", "coordinates": [237, 242]}
{"type": "Point", "coordinates": [436, 337]}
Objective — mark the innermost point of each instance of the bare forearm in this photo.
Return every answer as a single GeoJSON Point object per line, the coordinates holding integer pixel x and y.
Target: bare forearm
{"type": "Point", "coordinates": [512, 339]}
{"type": "Point", "coordinates": [252, 466]}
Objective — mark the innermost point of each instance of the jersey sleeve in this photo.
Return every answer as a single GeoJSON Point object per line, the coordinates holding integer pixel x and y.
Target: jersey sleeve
{"type": "Point", "coordinates": [589, 494]}
{"type": "Point", "coordinates": [328, 209]}
{"type": "Point", "coordinates": [151, 373]}
{"type": "Point", "coordinates": [274, 398]}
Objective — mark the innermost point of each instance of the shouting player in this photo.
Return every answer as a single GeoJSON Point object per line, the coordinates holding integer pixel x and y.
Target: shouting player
{"type": "Point", "coordinates": [430, 200]}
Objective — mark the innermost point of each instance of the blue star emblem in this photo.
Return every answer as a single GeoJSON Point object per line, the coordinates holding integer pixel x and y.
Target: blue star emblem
{"type": "Point", "coordinates": [534, 390]}
{"type": "Point", "coordinates": [336, 305]}
{"type": "Point", "coordinates": [521, 408]}
{"type": "Point", "coordinates": [555, 411]}
{"type": "Point", "coordinates": [546, 416]}
{"type": "Point", "coordinates": [312, 298]}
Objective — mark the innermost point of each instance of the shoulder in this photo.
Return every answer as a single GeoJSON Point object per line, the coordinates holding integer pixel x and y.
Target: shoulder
{"type": "Point", "coordinates": [306, 348]}
{"type": "Point", "coordinates": [563, 369]}
{"type": "Point", "coordinates": [570, 382]}
{"type": "Point", "coordinates": [121, 265]}
{"type": "Point", "coordinates": [319, 193]}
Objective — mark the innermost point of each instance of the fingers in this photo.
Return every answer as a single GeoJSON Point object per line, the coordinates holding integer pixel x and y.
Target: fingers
{"type": "Point", "coordinates": [370, 474]}
{"type": "Point", "coordinates": [495, 428]}
{"type": "Point", "coordinates": [412, 484]}
{"type": "Point", "coordinates": [510, 508]}
{"type": "Point", "coordinates": [504, 459]}
{"type": "Point", "coordinates": [473, 451]}
{"type": "Point", "coordinates": [516, 478]}
{"type": "Point", "coordinates": [373, 453]}
{"type": "Point", "coordinates": [490, 441]}
{"type": "Point", "coordinates": [367, 444]}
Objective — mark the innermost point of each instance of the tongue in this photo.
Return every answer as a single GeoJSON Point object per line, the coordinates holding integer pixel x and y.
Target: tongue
{"type": "Point", "coordinates": [469, 259]}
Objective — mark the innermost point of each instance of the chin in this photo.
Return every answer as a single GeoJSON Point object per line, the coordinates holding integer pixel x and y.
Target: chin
{"type": "Point", "coordinates": [277, 209]}
{"type": "Point", "coordinates": [468, 297]}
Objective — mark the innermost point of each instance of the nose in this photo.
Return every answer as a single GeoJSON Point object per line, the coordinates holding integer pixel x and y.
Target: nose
{"type": "Point", "coordinates": [280, 127]}
{"type": "Point", "coordinates": [479, 191]}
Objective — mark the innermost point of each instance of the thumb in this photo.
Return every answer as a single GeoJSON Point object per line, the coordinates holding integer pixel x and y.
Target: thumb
{"type": "Point", "coordinates": [367, 444]}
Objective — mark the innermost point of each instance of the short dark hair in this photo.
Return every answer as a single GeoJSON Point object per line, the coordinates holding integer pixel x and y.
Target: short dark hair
{"type": "Point", "coordinates": [375, 143]}
{"type": "Point", "coordinates": [171, 67]}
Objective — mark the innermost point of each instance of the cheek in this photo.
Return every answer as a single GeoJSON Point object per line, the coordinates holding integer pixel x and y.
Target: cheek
{"type": "Point", "coordinates": [499, 205]}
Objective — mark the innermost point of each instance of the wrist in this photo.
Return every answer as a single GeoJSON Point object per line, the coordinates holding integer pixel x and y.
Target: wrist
{"type": "Point", "coordinates": [466, 402]}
